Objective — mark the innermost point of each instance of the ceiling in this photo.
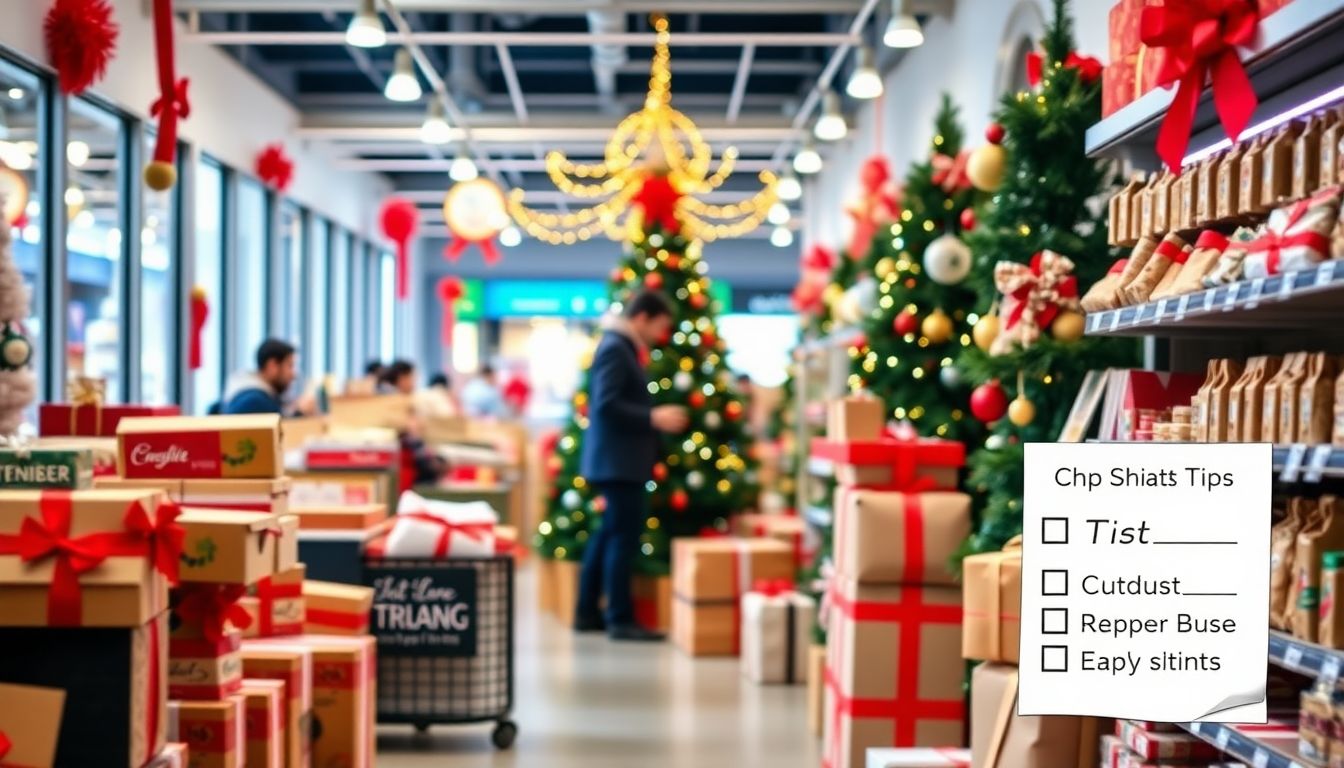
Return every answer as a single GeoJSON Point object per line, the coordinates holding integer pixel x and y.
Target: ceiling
{"type": "Point", "coordinates": [522, 77]}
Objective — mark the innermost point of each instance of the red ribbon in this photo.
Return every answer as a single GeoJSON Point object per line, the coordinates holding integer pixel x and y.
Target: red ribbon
{"type": "Point", "coordinates": [950, 172]}
{"type": "Point", "coordinates": [172, 103]}
{"type": "Point", "coordinates": [450, 292]}
{"type": "Point", "coordinates": [50, 537]}
{"type": "Point", "coordinates": [474, 531]}
{"type": "Point", "coordinates": [453, 250]}
{"type": "Point", "coordinates": [200, 312]}
{"type": "Point", "coordinates": [1212, 238]}
{"type": "Point", "coordinates": [351, 620]}
{"type": "Point", "coordinates": [160, 540]}
{"type": "Point", "coordinates": [268, 592]}
{"type": "Point", "coordinates": [1201, 39]}
{"type": "Point", "coordinates": [209, 606]}
{"type": "Point", "coordinates": [1274, 242]}
{"type": "Point", "coordinates": [1089, 68]}
{"type": "Point", "coordinates": [1066, 287]}
{"type": "Point", "coordinates": [1118, 267]}
{"type": "Point", "coordinates": [772, 587]}
{"type": "Point", "coordinates": [1171, 250]}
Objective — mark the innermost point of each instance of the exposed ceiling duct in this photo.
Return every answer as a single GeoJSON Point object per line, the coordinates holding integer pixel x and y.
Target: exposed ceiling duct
{"type": "Point", "coordinates": [608, 58]}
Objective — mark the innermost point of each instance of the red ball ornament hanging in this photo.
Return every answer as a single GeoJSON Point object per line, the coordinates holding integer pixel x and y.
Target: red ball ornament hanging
{"type": "Point", "coordinates": [989, 402]}
{"type": "Point", "coordinates": [600, 504]}
{"type": "Point", "coordinates": [660, 472]}
{"type": "Point", "coordinates": [708, 339]}
{"type": "Point", "coordinates": [968, 220]}
{"type": "Point", "coordinates": [994, 133]}
{"type": "Point", "coordinates": [617, 275]}
{"type": "Point", "coordinates": [733, 410]}
{"type": "Point", "coordinates": [653, 281]}
{"type": "Point", "coordinates": [905, 323]}
{"type": "Point", "coordinates": [679, 500]}
{"type": "Point", "coordinates": [696, 399]}
{"type": "Point", "coordinates": [673, 261]}
{"type": "Point", "coordinates": [699, 300]}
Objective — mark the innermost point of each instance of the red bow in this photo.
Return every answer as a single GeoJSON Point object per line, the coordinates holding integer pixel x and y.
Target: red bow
{"type": "Point", "coordinates": [176, 102]}
{"type": "Point", "coordinates": [1089, 68]}
{"type": "Point", "coordinates": [50, 537]}
{"type": "Point", "coordinates": [474, 531]}
{"type": "Point", "coordinates": [950, 172]}
{"type": "Point", "coordinates": [1201, 38]}
{"type": "Point", "coordinates": [161, 540]}
{"type": "Point", "coordinates": [209, 606]}
{"type": "Point", "coordinates": [1275, 239]}
{"type": "Point", "coordinates": [819, 258]}
{"type": "Point", "coordinates": [274, 167]}
{"type": "Point", "coordinates": [5, 744]}
{"type": "Point", "coordinates": [772, 587]}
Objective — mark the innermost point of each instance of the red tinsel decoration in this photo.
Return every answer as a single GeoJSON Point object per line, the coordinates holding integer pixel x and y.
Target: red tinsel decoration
{"type": "Point", "coordinates": [274, 167]}
{"type": "Point", "coordinates": [399, 219]}
{"type": "Point", "coordinates": [81, 38]}
{"type": "Point", "coordinates": [658, 197]}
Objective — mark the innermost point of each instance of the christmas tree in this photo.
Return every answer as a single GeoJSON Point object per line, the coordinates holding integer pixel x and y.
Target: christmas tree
{"type": "Point", "coordinates": [705, 474]}
{"type": "Point", "coordinates": [18, 385]}
{"type": "Point", "coordinates": [1042, 234]}
{"type": "Point", "coordinates": [924, 309]}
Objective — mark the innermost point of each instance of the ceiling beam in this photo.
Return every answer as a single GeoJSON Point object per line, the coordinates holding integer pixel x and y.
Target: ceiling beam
{"type": "Point", "coordinates": [556, 197]}
{"type": "Point", "coordinates": [558, 66]}
{"type": "Point", "coordinates": [552, 7]}
{"type": "Point", "coordinates": [758, 102]}
{"type": "Point", "coordinates": [740, 82]}
{"type": "Point", "coordinates": [537, 39]}
{"type": "Point", "coordinates": [527, 134]}
{"type": "Point", "coordinates": [511, 80]}
{"type": "Point", "coordinates": [426, 165]}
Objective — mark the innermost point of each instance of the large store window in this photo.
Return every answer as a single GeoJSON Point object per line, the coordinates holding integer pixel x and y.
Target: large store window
{"type": "Point", "coordinates": [21, 106]}
{"type": "Point", "coordinates": [293, 288]}
{"type": "Point", "coordinates": [158, 304]}
{"type": "Point", "coordinates": [340, 293]}
{"type": "Point", "coordinates": [319, 257]}
{"type": "Point", "coordinates": [209, 277]}
{"type": "Point", "coordinates": [359, 323]}
{"type": "Point", "coordinates": [387, 307]}
{"type": "Point", "coordinates": [248, 323]}
{"type": "Point", "coordinates": [94, 199]}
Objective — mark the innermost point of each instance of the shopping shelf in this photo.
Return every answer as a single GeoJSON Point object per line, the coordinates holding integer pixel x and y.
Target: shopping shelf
{"type": "Point", "coordinates": [1303, 657]}
{"type": "Point", "coordinates": [1255, 751]}
{"type": "Point", "coordinates": [1308, 462]}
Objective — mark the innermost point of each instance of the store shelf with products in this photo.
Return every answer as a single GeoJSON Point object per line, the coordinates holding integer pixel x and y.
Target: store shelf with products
{"type": "Point", "coordinates": [1245, 745]}
{"type": "Point", "coordinates": [1304, 658]}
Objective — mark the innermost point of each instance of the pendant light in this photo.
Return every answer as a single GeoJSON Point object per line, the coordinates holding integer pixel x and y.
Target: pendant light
{"type": "Point", "coordinates": [807, 161]}
{"type": "Point", "coordinates": [366, 28]}
{"type": "Point", "coordinates": [781, 237]}
{"type": "Point", "coordinates": [831, 125]}
{"type": "Point", "coordinates": [462, 169]}
{"type": "Point", "coordinates": [778, 214]}
{"type": "Point", "coordinates": [903, 31]}
{"type": "Point", "coordinates": [789, 188]}
{"type": "Point", "coordinates": [864, 81]}
{"type": "Point", "coordinates": [403, 84]}
{"type": "Point", "coordinates": [435, 129]}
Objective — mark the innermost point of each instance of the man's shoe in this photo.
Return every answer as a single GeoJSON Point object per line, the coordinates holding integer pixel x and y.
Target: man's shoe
{"type": "Point", "coordinates": [635, 633]}
{"type": "Point", "coordinates": [591, 624]}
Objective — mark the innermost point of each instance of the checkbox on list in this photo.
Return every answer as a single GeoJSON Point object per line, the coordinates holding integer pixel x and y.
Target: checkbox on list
{"type": "Point", "coordinates": [1054, 658]}
{"type": "Point", "coordinates": [1055, 583]}
{"type": "Point", "coordinates": [1054, 621]}
{"type": "Point", "coordinates": [1054, 530]}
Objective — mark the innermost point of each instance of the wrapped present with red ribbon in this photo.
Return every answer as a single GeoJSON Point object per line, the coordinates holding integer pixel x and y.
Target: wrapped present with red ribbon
{"type": "Point", "coordinates": [992, 604]}
{"type": "Point", "coordinates": [440, 529]}
{"type": "Point", "coordinates": [894, 463]}
{"type": "Point", "coordinates": [890, 537]}
{"type": "Point", "coordinates": [277, 604]}
{"type": "Point", "coordinates": [223, 547]}
{"type": "Point", "coordinates": [1133, 68]}
{"type": "Point", "coordinates": [336, 609]}
{"type": "Point", "coordinates": [87, 416]}
{"type": "Point", "coordinates": [709, 578]}
{"type": "Point", "coordinates": [1033, 295]}
{"type": "Point", "coordinates": [776, 631]}
{"type": "Point", "coordinates": [1001, 739]}
{"type": "Point", "coordinates": [173, 755]}
{"type": "Point", "coordinates": [86, 558]}
{"type": "Point", "coordinates": [208, 612]}
{"type": "Point", "coordinates": [291, 664]}
{"type": "Point", "coordinates": [652, 596]}
{"type": "Point", "coordinates": [215, 732]}
{"type": "Point", "coordinates": [200, 447]}
{"type": "Point", "coordinates": [893, 671]}
{"type": "Point", "coordinates": [264, 718]}
{"type": "Point", "coordinates": [344, 675]}
{"type": "Point", "coordinates": [1296, 237]}
{"type": "Point", "coordinates": [205, 670]}
{"type": "Point", "coordinates": [786, 528]}
{"type": "Point", "coordinates": [254, 495]}
{"type": "Point", "coordinates": [30, 724]}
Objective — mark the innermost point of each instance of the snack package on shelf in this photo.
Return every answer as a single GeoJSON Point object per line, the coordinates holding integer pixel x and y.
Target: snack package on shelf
{"type": "Point", "coordinates": [1324, 534]}
{"type": "Point", "coordinates": [1306, 150]}
{"type": "Point", "coordinates": [264, 716]}
{"type": "Point", "coordinates": [992, 604]}
{"type": "Point", "coordinates": [1290, 389]}
{"type": "Point", "coordinates": [1331, 633]}
{"type": "Point", "coordinates": [1188, 276]}
{"type": "Point", "coordinates": [1328, 171]}
{"type": "Point", "coordinates": [709, 578]}
{"type": "Point", "coordinates": [220, 447]}
{"type": "Point", "coordinates": [776, 629]}
{"type": "Point", "coordinates": [1316, 725]}
{"type": "Point", "coordinates": [1217, 397]}
{"type": "Point", "coordinates": [269, 495]}
{"type": "Point", "coordinates": [854, 419]}
{"type": "Point", "coordinates": [1137, 261]}
{"type": "Point", "coordinates": [1282, 552]}
{"type": "Point", "coordinates": [1246, 412]}
{"type": "Point", "coordinates": [30, 719]}
{"type": "Point", "coordinates": [1118, 212]}
{"type": "Point", "coordinates": [1316, 400]}
{"type": "Point", "coordinates": [1172, 251]}
{"type": "Point", "coordinates": [31, 468]}
{"type": "Point", "coordinates": [1160, 200]}
{"type": "Point", "coordinates": [1250, 196]}
{"type": "Point", "coordinates": [1104, 294]}
{"type": "Point", "coordinates": [215, 732]}
{"type": "Point", "coordinates": [205, 670]}
{"type": "Point", "coordinates": [1206, 190]}
{"type": "Point", "coordinates": [873, 530]}
{"type": "Point", "coordinates": [1277, 175]}
{"type": "Point", "coordinates": [1296, 237]}
{"type": "Point", "coordinates": [1228, 268]}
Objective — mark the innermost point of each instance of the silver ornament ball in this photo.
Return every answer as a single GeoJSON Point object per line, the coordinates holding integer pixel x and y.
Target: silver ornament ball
{"type": "Point", "coordinates": [947, 260]}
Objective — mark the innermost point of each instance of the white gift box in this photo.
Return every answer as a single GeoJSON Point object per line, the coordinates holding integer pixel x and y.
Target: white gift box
{"type": "Point", "coordinates": [776, 635]}
{"type": "Point", "coordinates": [429, 528]}
{"type": "Point", "coordinates": [918, 757]}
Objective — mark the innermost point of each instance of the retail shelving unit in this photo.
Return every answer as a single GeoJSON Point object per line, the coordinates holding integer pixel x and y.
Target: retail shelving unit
{"type": "Point", "coordinates": [823, 374]}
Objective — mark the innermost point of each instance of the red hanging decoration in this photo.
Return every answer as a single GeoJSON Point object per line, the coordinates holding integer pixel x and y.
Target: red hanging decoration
{"type": "Point", "coordinates": [81, 38]}
{"type": "Point", "coordinates": [968, 219]}
{"type": "Point", "coordinates": [879, 203]}
{"type": "Point", "coordinates": [200, 311]}
{"type": "Point", "coordinates": [653, 281]}
{"type": "Point", "coordinates": [679, 500]}
{"type": "Point", "coordinates": [994, 133]}
{"type": "Point", "coordinates": [1089, 68]}
{"type": "Point", "coordinates": [399, 219]}
{"type": "Point", "coordinates": [950, 172]}
{"type": "Point", "coordinates": [905, 323]}
{"type": "Point", "coordinates": [274, 167]}
{"type": "Point", "coordinates": [1200, 38]}
{"type": "Point", "coordinates": [450, 291]}
{"type": "Point", "coordinates": [172, 104]}
{"type": "Point", "coordinates": [989, 402]}
{"type": "Point", "coordinates": [658, 198]}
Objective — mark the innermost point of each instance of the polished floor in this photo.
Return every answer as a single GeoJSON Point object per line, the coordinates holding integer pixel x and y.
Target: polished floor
{"type": "Point", "coordinates": [584, 702]}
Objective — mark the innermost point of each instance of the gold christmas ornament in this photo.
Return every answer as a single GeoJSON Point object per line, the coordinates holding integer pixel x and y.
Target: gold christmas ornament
{"type": "Point", "coordinates": [985, 167]}
{"type": "Point", "coordinates": [832, 293]}
{"type": "Point", "coordinates": [937, 327]}
{"type": "Point", "coordinates": [1068, 326]}
{"type": "Point", "coordinates": [885, 267]}
{"type": "Point", "coordinates": [160, 176]}
{"type": "Point", "coordinates": [986, 330]}
{"type": "Point", "coordinates": [1021, 411]}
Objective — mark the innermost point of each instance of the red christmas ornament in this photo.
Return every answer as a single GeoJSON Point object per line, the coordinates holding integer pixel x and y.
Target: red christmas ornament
{"type": "Point", "coordinates": [861, 341]}
{"type": "Point", "coordinates": [274, 167]}
{"type": "Point", "coordinates": [660, 472]}
{"type": "Point", "coordinates": [696, 399]}
{"type": "Point", "coordinates": [994, 133]}
{"type": "Point", "coordinates": [708, 339]}
{"type": "Point", "coordinates": [653, 281]}
{"type": "Point", "coordinates": [679, 500]}
{"type": "Point", "coordinates": [600, 504]}
{"type": "Point", "coordinates": [733, 410]}
{"type": "Point", "coordinates": [399, 219]}
{"type": "Point", "coordinates": [989, 402]}
{"type": "Point", "coordinates": [673, 261]}
{"type": "Point", "coordinates": [968, 219]}
{"type": "Point", "coordinates": [450, 289]}
{"type": "Point", "coordinates": [617, 275]}
{"type": "Point", "coordinates": [699, 300]}
{"type": "Point", "coordinates": [905, 322]}
{"type": "Point", "coordinates": [81, 38]}
{"type": "Point", "coordinates": [658, 198]}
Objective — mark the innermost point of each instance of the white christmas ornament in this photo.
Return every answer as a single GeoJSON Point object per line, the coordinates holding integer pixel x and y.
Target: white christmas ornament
{"type": "Point", "coordinates": [949, 376]}
{"type": "Point", "coordinates": [713, 420]}
{"type": "Point", "coordinates": [995, 442]}
{"type": "Point", "coordinates": [947, 260]}
{"type": "Point", "coordinates": [571, 499]}
{"type": "Point", "coordinates": [694, 480]}
{"type": "Point", "coordinates": [682, 381]}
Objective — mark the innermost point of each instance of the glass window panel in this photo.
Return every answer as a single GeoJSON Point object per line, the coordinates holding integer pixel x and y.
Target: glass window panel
{"type": "Point", "coordinates": [293, 288]}
{"type": "Point", "coordinates": [94, 248]}
{"type": "Point", "coordinates": [158, 296]}
{"type": "Point", "coordinates": [209, 277]}
{"type": "Point", "coordinates": [387, 307]}
{"type": "Point", "coordinates": [340, 291]}
{"type": "Point", "coordinates": [319, 256]}
{"type": "Point", "coordinates": [249, 284]}
{"type": "Point", "coordinates": [21, 97]}
{"type": "Point", "coordinates": [358, 324]}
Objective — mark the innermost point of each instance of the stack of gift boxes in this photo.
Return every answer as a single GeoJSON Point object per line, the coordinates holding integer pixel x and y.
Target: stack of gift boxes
{"type": "Point", "coordinates": [1144, 744]}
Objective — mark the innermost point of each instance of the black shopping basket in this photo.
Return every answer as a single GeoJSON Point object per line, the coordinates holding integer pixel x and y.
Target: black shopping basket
{"type": "Point", "coordinates": [445, 641]}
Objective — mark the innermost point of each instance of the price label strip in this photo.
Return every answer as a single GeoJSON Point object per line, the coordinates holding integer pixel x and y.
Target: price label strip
{"type": "Point", "coordinates": [1161, 311]}
{"type": "Point", "coordinates": [1292, 465]}
{"type": "Point", "coordinates": [1181, 306]}
{"type": "Point", "coordinates": [1260, 759]}
{"type": "Point", "coordinates": [1320, 459]}
{"type": "Point", "coordinates": [1293, 657]}
{"type": "Point", "coordinates": [1115, 320]}
{"type": "Point", "coordinates": [1257, 290]}
{"type": "Point", "coordinates": [1325, 274]}
{"type": "Point", "coordinates": [1287, 284]}
{"type": "Point", "coordinates": [1224, 735]}
{"type": "Point", "coordinates": [1208, 299]}
{"type": "Point", "coordinates": [1330, 668]}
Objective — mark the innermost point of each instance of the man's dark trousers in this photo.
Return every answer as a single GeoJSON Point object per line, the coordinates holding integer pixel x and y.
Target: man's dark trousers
{"type": "Point", "coordinates": [609, 553]}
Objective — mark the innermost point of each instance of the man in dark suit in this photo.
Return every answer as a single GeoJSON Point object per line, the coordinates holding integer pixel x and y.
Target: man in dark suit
{"type": "Point", "coordinates": [620, 448]}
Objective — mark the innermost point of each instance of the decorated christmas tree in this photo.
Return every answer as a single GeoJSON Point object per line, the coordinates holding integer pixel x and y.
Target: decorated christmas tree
{"type": "Point", "coordinates": [18, 385]}
{"type": "Point", "coordinates": [705, 474]}
{"type": "Point", "coordinates": [1041, 235]}
{"type": "Point", "coordinates": [924, 308]}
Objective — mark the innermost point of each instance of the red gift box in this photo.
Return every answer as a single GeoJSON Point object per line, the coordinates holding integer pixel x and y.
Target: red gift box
{"type": "Point", "coordinates": [92, 419]}
{"type": "Point", "coordinates": [894, 464]}
{"type": "Point", "coordinates": [1133, 67]}
{"type": "Point", "coordinates": [1153, 391]}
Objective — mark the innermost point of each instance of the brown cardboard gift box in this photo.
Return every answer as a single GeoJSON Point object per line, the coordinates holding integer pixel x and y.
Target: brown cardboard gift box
{"type": "Point", "coordinates": [291, 664]}
{"type": "Point", "coordinates": [205, 670]}
{"type": "Point", "coordinates": [30, 718]}
{"type": "Point", "coordinates": [854, 418]}
{"type": "Point", "coordinates": [893, 671]}
{"type": "Point", "coordinates": [276, 604]}
{"type": "Point", "coordinates": [251, 495]}
{"type": "Point", "coordinates": [709, 577]}
{"type": "Point", "coordinates": [200, 447]}
{"type": "Point", "coordinates": [1001, 739]}
{"type": "Point", "coordinates": [992, 602]}
{"type": "Point", "coordinates": [564, 576]}
{"type": "Point", "coordinates": [336, 609]}
{"type": "Point", "coordinates": [228, 547]}
{"type": "Point", "coordinates": [340, 517]}
{"type": "Point", "coordinates": [816, 687]}
{"type": "Point", "coordinates": [214, 731]}
{"type": "Point", "coordinates": [786, 528]}
{"type": "Point", "coordinates": [324, 488]}
{"type": "Point", "coordinates": [884, 537]}
{"type": "Point", "coordinates": [264, 716]}
{"type": "Point", "coordinates": [344, 701]}
{"type": "Point", "coordinates": [653, 601]}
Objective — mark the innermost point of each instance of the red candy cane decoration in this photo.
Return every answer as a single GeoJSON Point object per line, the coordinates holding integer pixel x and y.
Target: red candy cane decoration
{"type": "Point", "coordinates": [171, 105]}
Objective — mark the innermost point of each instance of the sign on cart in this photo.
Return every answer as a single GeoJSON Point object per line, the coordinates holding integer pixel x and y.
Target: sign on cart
{"type": "Point", "coordinates": [424, 611]}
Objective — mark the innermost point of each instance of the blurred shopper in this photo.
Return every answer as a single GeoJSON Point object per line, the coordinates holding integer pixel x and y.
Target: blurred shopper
{"type": "Point", "coordinates": [620, 448]}
{"type": "Point", "coordinates": [438, 400]}
{"type": "Point", "coordinates": [398, 378]}
{"type": "Point", "coordinates": [746, 389]}
{"type": "Point", "coordinates": [481, 397]}
{"type": "Point", "coordinates": [263, 390]}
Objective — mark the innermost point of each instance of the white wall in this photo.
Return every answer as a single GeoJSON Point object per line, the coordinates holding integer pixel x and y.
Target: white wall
{"type": "Point", "coordinates": [233, 114]}
{"type": "Point", "coordinates": [961, 56]}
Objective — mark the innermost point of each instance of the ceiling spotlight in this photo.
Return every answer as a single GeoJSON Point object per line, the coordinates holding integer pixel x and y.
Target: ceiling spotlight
{"type": "Point", "coordinates": [403, 84]}
{"type": "Point", "coordinates": [435, 129]}
{"type": "Point", "coordinates": [807, 161]}
{"type": "Point", "coordinates": [510, 236]}
{"type": "Point", "coordinates": [74, 196]}
{"type": "Point", "coordinates": [831, 125]}
{"type": "Point", "coordinates": [781, 237]}
{"type": "Point", "coordinates": [864, 81]}
{"type": "Point", "coordinates": [788, 187]}
{"type": "Point", "coordinates": [77, 152]}
{"type": "Point", "coordinates": [462, 169]}
{"type": "Point", "coordinates": [903, 31]}
{"type": "Point", "coordinates": [16, 93]}
{"type": "Point", "coordinates": [366, 28]}
{"type": "Point", "coordinates": [778, 214]}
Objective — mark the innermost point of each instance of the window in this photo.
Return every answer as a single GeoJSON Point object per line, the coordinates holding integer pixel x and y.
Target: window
{"type": "Point", "coordinates": [359, 317]}
{"type": "Point", "coordinates": [319, 256]}
{"type": "Point", "coordinates": [248, 321]}
{"type": "Point", "coordinates": [158, 294]}
{"type": "Point", "coordinates": [387, 307]}
{"type": "Point", "coordinates": [21, 105]}
{"type": "Point", "coordinates": [293, 289]}
{"type": "Point", "coordinates": [209, 275]}
{"type": "Point", "coordinates": [95, 249]}
{"type": "Point", "coordinates": [340, 294]}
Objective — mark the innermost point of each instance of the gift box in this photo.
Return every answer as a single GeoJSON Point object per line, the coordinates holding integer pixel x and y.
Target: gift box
{"type": "Point", "coordinates": [205, 670]}
{"type": "Point", "coordinates": [363, 411]}
{"type": "Point", "coordinates": [31, 468]}
{"type": "Point", "coordinates": [344, 674]}
{"type": "Point", "coordinates": [173, 755]}
{"type": "Point", "coordinates": [1166, 747]}
{"type": "Point", "coordinates": [1133, 66]}
{"type": "Point", "coordinates": [893, 671]}
{"type": "Point", "coordinates": [340, 516]}
{"type": "Point", "coordinates": [276, 604]}
{"type": "Point", "coordinates": [1296, 237]}
{"type": "Point", "coordinates": [264, 722]}
{"type": "Point", "coordinates": [992, 604]}
{"type": "Point", "coordinates": [786, 528]}
{"type": "Point", "coordinates": [709, 577]}
{"type": "Point", "coordinates": [430, 528]}
{"type": "Point", "coordinates": [334, 489]}
{"type": "Point", "coordinates": [342, 454]}
{"type": "Point", "coordinates": [228, 547]}
{"type": "Point", "coordinates": [919, 757]}
{"type": "Point", "coordinates": [816, 687]}
{"type": "Point", "coordinates": [776, 633]}
{"type": "Point", "coordinates": [30, 722]}
{"type": "Point", "coordinates": [257, 495]}
{"type": "Point", "coordinates": [102, 451]}
{"type": "Point", "coordinates": [92, 419]}
{"type": "Point", "coordinates": [882, 537]}
{"type": "Point", "coordinates": [1148, 391]}
{"type": "Point", "coordinates": [894, 464]}
{"type": "Point", "coordinates": [1002, 739]}
{"type": "Point", "coordinates": [214, 731]}
{"type": "Point", "coordinates": [115, 683]}
{"type": "Point", "coordinates": [219, 447]}
{"type": "Point", "coordinates": [855, 418]}
{"type": "Point", "coordinates": [652, 596]}
{"type": "Point", "coordinates": [291, 664]}
{"type": "Point", "coordinates": [132, 536]}
{"type": "Point", "coordinates": [336, 609]}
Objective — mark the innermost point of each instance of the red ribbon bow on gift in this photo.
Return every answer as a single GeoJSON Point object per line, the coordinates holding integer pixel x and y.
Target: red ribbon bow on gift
{"type": "Point", "coordinates": [772, 587]}
{"type": "Point", "coordinates": [1037, 291]}
{"type": "Point", "coordinates": [475, 531]}
{"type": "Point", "coordinates": [1089, 68]}
{"type": "Point", "coordinates": [1274, 240]}
{"type": "Point", "coordinates": [5, 744]}
{"type": "Point", "coordinates": [209, 606]}
{"type": "Point", "coordinates": [50, 537]}
{"type": "Point", "coordinates": [161, 540]}
{"type": "Point", "coordinates": [950, 172]}
{"type": "Point", "coordinates": [1201, 38]}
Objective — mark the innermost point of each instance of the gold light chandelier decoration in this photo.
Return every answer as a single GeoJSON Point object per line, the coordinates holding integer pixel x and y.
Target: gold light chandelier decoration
{"type": "Point", "coordinates": [666, 141]}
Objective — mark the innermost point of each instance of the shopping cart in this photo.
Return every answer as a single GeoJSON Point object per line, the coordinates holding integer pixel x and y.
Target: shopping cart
{"type": "Point", "coordinates": [445, 641]}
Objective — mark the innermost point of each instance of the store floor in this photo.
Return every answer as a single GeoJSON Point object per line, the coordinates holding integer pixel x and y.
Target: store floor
{"type": "Point", "coordinates": [584, 702]}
